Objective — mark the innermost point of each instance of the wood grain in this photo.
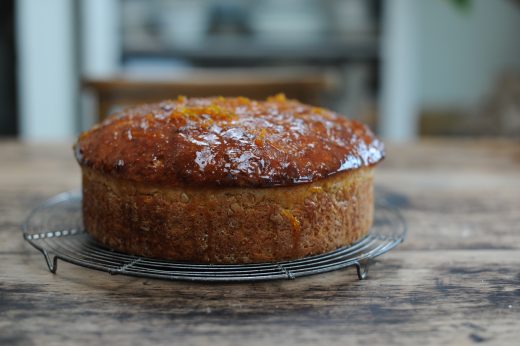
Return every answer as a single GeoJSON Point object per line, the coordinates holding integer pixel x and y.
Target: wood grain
{"type": "Point", "coordinates": [455, 281]}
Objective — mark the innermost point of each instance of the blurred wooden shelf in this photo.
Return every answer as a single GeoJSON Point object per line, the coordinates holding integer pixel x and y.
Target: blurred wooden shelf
{"type": "Point", "coordinates": [222, 50]}
{"type": "Point", "coordinates": [257, 84]}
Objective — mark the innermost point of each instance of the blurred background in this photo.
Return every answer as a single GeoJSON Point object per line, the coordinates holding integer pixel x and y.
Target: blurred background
{"type": "Point", "coordinates": [407, 68]}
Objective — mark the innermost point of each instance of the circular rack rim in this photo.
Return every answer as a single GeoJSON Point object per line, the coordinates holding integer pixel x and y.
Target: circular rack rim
{"type": "Point", "coordinates": [73, 245]}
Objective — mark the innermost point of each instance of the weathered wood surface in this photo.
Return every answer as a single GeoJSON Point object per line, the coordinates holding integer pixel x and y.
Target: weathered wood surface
{"type": "Point", "coordinates": [456, 279]}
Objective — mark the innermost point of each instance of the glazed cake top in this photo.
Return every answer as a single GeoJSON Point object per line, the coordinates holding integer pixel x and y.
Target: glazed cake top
{"type": "Point", "coordinates": [227, 142]}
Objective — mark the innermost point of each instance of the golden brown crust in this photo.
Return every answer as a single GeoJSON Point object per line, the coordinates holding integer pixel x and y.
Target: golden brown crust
{"type": "Point", "coordinates": [227, 142]}
{"type": "Point", "coordinates": [228, 225]}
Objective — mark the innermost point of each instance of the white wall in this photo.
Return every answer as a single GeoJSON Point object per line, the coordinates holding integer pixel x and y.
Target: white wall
{"type": "Point", "coordinates": [437, 56]}
{"type": "Point", "coordinates": [49, 64]}
{"type": "Point", "coordinates": [100, 49]}
{"type": "Point", "coordinates": [101, 38]}
{"type": "Point", "coordinates": [462, 52]}
{"type": "Point", "coordinates": [46, 68]}
{"type": "Point", "coordinates": [399, 99]}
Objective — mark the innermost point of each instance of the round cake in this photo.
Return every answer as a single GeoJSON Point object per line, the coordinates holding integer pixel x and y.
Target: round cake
{"type": "Point", "coordinates": [227, 180]}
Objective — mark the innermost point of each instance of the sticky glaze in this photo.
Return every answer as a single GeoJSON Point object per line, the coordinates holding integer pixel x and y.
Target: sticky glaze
{"type": "Point", "coordinates": [227, 142]}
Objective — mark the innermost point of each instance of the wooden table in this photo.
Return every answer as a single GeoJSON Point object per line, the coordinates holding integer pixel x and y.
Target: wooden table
{"type": "Point", "coordinates": [456, 279]}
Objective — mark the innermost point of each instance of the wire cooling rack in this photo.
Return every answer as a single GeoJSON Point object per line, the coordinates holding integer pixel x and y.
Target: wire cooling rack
{"type": "Point", "coordinates": [55, 228]}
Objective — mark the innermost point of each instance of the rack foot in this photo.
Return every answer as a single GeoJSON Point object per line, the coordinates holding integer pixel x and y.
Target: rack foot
{"type": "Point", "coordinates": [362, 269]}
{"type": "Point", "coordinates": [51, 264]}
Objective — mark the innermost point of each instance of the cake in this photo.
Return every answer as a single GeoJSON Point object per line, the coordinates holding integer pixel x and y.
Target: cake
{"type": "Point", "coordinates": [227, 180]}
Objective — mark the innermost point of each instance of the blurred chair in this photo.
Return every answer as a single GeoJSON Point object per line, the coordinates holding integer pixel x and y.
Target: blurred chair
{"type": "Point", "coordinates": [123, 91]}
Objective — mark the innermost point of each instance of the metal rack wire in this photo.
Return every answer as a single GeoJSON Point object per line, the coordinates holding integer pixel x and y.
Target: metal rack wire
{"type": "Point", "coordinates": [55, 228]}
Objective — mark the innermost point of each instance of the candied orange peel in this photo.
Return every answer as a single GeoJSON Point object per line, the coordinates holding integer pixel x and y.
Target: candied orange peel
{"type": "Point", "coordinates": [259, 140]}
{"type": "Point", "coordinates": [280, 97]}
{"type": "Point", "coordinates": [212, 112]}
{"type": "Point", "coordinates": [316, 189]}
{"type": "Point", "coordinates": [295, 224]}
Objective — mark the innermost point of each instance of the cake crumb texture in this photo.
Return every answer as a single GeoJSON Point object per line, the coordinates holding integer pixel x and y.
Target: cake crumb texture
{"type": "Point", "coordinates": [228, 225]}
